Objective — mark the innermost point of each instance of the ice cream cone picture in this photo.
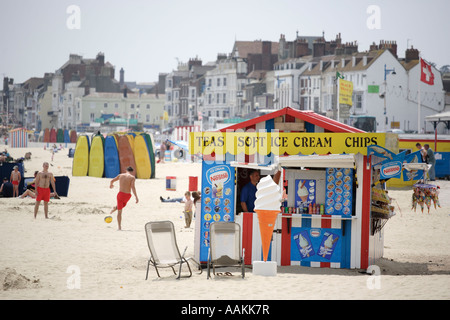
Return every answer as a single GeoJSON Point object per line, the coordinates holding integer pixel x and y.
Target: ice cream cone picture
{"type": "Point", "coordinates": [328, 245]}
{"type": "Point", "coordinates": [304, 244]}
{"type": "Point", "coordinates": [267, 207]}
{"type": "Point", "coordinates": [302, 191]}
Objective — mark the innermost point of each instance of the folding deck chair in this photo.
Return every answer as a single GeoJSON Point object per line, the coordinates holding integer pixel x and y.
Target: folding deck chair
{"type": "Point", "coordinates": [163, 248]}
{"type": "Point", "coordinates": [225, 246]}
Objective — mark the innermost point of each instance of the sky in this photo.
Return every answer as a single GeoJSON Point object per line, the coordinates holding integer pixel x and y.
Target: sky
{"type": "Point", "coordinates": [149, 37]}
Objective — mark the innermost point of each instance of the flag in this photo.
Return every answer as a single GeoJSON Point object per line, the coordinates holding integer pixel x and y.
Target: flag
{"type": "Point", "coordinates": [426, 74]}
{"type": "Point", "coordinates": [339, 76]}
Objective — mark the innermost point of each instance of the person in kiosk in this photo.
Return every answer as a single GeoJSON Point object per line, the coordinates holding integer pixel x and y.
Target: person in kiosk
{"type": "Point", "coordinates": [248, 192]}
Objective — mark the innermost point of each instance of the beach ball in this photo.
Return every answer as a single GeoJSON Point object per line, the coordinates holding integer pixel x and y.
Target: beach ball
{"type": "Point", "coordinates": [108, 219]}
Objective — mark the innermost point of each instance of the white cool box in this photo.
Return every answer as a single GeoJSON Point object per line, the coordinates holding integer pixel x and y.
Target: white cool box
{"type": "Point", "coordinates": [265, 268]}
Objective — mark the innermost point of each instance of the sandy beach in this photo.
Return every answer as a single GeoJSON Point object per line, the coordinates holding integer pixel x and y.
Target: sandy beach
{"type": "Point", "coordinates": [39, 257]}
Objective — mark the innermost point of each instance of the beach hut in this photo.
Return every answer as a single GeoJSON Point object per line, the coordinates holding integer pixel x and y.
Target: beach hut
{"type": "Point", "coordinates": [46, 135]}
{"type": "Point", "coordinates": [66, 136]}
{"type": "Point", "coordinates": [327, 219]}
{"type": "Point", "coordinates": [53, 133]}
{"type": "Point", "coordinates": [18, 138]}
{"type": "Point", "coordinates": [60, 135]}
{"type": "Point", "coordinates": [73, 136]}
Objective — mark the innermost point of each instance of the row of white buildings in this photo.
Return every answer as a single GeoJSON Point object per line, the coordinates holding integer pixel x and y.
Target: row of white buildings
{"type": "Point", "coordinates": [385, 86]}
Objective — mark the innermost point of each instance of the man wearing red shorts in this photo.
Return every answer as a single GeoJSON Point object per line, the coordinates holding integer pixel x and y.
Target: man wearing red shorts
{"type": "Point", "coordinates": [126, 185]}
{"type": "Point", "coordinates": [15, 180]}
{"type": "Point", "coordinates": [43, 181]}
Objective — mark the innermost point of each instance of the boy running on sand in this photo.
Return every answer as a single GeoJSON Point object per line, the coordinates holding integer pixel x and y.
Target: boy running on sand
{"type": "Point", "coordinates": [15, 180]}
{"type": "Point", "coordinates": [126, 185]}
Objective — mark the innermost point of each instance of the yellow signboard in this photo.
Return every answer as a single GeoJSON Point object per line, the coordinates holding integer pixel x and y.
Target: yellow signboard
{"type": "Point", "coordinates": [282, 143]}
{"type": "Point", "coordinates": [345, 92]}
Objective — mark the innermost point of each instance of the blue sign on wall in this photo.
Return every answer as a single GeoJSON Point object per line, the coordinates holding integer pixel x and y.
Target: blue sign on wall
{"type": "Point", "coordinates": [338, 194]}
{"type": "Point", "coordinates": [217, 200]}
{"type": "Point", "coordinates": [316, 244]}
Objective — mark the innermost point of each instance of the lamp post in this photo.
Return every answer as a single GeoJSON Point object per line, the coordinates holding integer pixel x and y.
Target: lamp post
{"type": "Point", "coordinates": [386, 72]}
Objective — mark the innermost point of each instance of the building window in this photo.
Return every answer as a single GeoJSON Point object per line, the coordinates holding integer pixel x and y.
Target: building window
{"type": "Point", "coordinates": [358, 100]}
{"type": "Point", "coordinates": [316, 104]}
{"type": "Point", "coordinates": [218, 98]}
{"type": "Point", "coordinates": [304, 103]}
{"type": "Point", "coordinates": [224, 82]}
{"type": "Point", "coordinates": [218, 82]}
{"type": "Point", "coordinates": [209, 82]}
{"type": "Point", "coordinates": [209, 98]}
{"type": "Point", "coordinates": [224, 98]}
{"type": "Point", "coordinates": [132, 106]}
{"type": "Point", "coordinates": [148, 106]}
{"type": "Point", "coordinates": [105, 105]}
{"type": "Point", "coordinates": [92, 116]}
{"type": "Point", "coordinates": [116, 105]}
{"type": "Point", "coordinates": [147, 118]}
{"type": "Point", "coordinates": [327, 102]}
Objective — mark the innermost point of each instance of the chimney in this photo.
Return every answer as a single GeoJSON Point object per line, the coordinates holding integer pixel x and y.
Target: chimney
{"type": "Point", "coordinates": [266, 55]}
{"type": "Point", "coordinates": [373, 47]}
{"type": "Point", "coordinates": [411, 54]}
{"type": "Point", "coordinates": [301, 48]}
{"type": "Point", "coordinates": [194, 62]}
{"type": "Point", "coordinates": [122, 78]}
{"type": "Point", "coordinates": [389, 45]}
{"type": "Point", "coordinates": [318, 48]}
{"type": "Point", "coordinates": [101, 59]}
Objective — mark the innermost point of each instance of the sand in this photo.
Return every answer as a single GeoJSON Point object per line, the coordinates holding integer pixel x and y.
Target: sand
{"type": "Point", "coordinates": [76, 255]}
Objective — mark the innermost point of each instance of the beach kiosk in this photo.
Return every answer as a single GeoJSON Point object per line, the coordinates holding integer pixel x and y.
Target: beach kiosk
{"type": "Point", "coordinates": [18, 138]}
{"type": "Point", "coordinates": [331, 189]}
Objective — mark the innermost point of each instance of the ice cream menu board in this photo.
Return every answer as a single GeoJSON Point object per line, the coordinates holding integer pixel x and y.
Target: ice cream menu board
{"type": "Point", "coordinates": [338, 194]}
{"type": "Point", "coordinates": [217, 200]}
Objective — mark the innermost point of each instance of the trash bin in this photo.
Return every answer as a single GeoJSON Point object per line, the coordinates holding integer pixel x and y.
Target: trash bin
{"type": "Point", "coordinates": [193, 182]}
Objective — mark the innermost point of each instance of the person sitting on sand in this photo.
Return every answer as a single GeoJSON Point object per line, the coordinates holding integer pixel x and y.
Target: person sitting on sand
{"type": "Point", "coordinates": [6, 189]}
{"type": "Point", "coordinates": [31, 188]}
{"type": "Point", "coordinates": [126, 185]}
